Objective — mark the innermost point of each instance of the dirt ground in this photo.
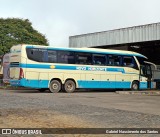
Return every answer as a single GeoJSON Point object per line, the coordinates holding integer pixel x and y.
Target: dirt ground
{"type": "Point", "coordinates": [29, 118]}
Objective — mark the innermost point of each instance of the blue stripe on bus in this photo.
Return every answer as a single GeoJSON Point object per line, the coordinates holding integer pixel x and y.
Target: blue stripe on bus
{"type": "Point", "coordinates": [103, 84]}
{"type": "Point", "coordinates": [81, 84]}
{"type": "Point", "coordinates": [90, 51]}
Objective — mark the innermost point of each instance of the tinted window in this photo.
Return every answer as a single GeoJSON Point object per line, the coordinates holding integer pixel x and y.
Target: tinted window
{"type": "Point", "coordinates": [128, 61]}
{"type": "Point", "coordinates": [43, 55]}
{"type": "Point", "coordinates": [114, 60]}
{"type": "Point", "coordinates": [141, 60]}
{"type": "Point", "coordinates": [99, 59]}
{"type": "Point", "coordinates": [66, 57]}
{"type": "Point", "coordinates": [34, 54]}
{"type": "Point", "coordinates": [52, 56]}
{"type": "Point", "coordinates": [84, 58]}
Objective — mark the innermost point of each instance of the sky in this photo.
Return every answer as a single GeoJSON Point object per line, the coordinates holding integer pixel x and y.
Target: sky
{"type": "Point", "coordinates": [59, 19]}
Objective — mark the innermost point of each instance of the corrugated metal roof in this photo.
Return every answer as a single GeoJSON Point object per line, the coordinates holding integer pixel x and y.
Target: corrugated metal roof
{"type": "Point", "coordinates": [149, 32]}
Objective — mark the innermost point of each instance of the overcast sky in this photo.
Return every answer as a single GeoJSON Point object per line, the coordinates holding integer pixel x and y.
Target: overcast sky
{"type": "Point", "coordinates": [59, 19]}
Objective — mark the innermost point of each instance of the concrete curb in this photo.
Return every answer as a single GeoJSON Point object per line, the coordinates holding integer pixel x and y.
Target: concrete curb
{"type": "Point", "coordinates": [149, 92]}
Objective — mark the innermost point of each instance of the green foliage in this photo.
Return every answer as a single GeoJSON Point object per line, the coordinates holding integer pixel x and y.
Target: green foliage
{"type": "Point", "coordinates": [15, 31]}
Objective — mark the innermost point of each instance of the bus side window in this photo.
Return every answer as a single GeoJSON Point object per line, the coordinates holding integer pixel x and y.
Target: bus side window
{"type": "Point", "coordinates": [52, 56]}
{"type": "Point", "coordinates": [84, 58]}
{"type": "Point", "coordinates": [128, 61]}
{"type": "Point", "coordinates": [114, 60]}
{"type": "Point", "coordinates": [99, 60]}
{"type": "Point", "coordinates": [43, 55]}
{"type": "Point", "coordinates": [66, 57]}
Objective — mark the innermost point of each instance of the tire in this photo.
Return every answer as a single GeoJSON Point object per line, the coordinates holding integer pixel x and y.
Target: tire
{"type": "Point", "coordinates": [135, 85]}
{"type": "Point", "coordinates": [55, 86]}
{"type": "Point", "coordinates": [69, 86]}
{"type": "Point", "coordinates": [42, 89]}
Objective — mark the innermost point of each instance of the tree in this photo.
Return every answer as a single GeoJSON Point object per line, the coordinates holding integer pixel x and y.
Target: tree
{"type": "Point", "coordinates": [15, 31]}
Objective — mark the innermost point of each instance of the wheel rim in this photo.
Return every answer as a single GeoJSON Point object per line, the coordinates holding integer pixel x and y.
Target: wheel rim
{"type": "Point", "coordinates": [55, 86]}
{"type": "Point", "coordinates": [69, 87]}
{"type": "Point", "coordinates": [135, 86]}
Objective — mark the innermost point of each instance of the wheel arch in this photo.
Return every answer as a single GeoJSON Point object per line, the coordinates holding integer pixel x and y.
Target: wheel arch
{"type": "Point", "coordinates": [54, 79]}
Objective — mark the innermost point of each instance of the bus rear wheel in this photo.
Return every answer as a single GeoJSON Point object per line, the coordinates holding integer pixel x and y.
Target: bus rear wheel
{"type": "Point", "coordinates": [69, 86]}
{"type": "Point", "coordinates": [55, 86]}
{"type": "Point", "coordinates": [135, 85]}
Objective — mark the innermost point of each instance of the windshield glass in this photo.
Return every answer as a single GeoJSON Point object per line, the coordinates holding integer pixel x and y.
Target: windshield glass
{"type": "Point", "coordinates": [141, 60]}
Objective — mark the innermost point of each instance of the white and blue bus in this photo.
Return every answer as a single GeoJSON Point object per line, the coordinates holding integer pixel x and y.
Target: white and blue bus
{"type": "Point", "coordinates": [56, 69]}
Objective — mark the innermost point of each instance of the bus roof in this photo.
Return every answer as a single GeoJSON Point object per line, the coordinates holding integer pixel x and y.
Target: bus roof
{"type": "Point", "coordinates": [91, 50]}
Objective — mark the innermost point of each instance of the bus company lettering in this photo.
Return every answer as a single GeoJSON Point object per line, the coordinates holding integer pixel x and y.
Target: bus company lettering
{"type": "Point", "coordinates": [96, 69]}
{"type": "Point", "coordinates": [81, 68]}
{"type": "Point", "coordinates": [91, 68]}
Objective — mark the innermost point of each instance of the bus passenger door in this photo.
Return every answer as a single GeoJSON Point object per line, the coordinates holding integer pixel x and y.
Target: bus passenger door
{"type": "Point", "coordinates": [145, 76]}
{"type": "Point", "coordinates": [149, 76]}
{"type": "Point", "coordinates": [43, 80]}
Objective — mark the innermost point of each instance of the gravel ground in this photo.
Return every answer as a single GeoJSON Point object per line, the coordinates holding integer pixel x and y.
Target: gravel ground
{"type": "Point", "coordinates": [31, 109]}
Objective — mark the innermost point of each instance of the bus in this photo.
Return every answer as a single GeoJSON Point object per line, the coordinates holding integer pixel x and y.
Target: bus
{"type": "Point", "coordinates": [68, 69]}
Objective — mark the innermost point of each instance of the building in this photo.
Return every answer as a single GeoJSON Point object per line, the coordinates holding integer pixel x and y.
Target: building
{"type": "Point", "coordinates": [144, 39]}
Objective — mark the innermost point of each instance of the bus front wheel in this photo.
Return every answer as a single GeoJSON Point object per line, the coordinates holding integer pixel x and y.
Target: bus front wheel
{"type": "Point", "coordinates": [55, 86]}
{"type": "Point", "coordinates": [69, 86]}
{"type": "Point", "coordinates": [135, 85]}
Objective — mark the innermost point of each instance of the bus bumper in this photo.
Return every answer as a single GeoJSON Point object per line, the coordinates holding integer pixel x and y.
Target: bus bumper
{"type": "Point", "coordinates": [18, 83]}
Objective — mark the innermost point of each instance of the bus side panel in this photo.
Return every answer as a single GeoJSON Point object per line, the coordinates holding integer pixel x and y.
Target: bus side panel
{"type": "Point", "coordinates": [97, 81]}
{"type": "Point", "coordinates": [43, 80]}
{"type": "Point", "coordinates": [123, 81]}
{"type": "Point", "coordinates": [32, 79]}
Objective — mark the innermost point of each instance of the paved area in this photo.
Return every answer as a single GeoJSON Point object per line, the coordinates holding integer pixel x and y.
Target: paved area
{"type": "Point", "coordinates": [30, 108]}
{"type": "Point", "coordinates": [141, 92]}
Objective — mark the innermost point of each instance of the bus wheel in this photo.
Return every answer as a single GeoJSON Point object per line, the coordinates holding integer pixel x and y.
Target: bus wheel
{"type": "Point", "coordinates": [55, 86]}
{"type": "Point", "coordinates": [135, 85]}
{"type": "Point", "coordinates": [69, 86]}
